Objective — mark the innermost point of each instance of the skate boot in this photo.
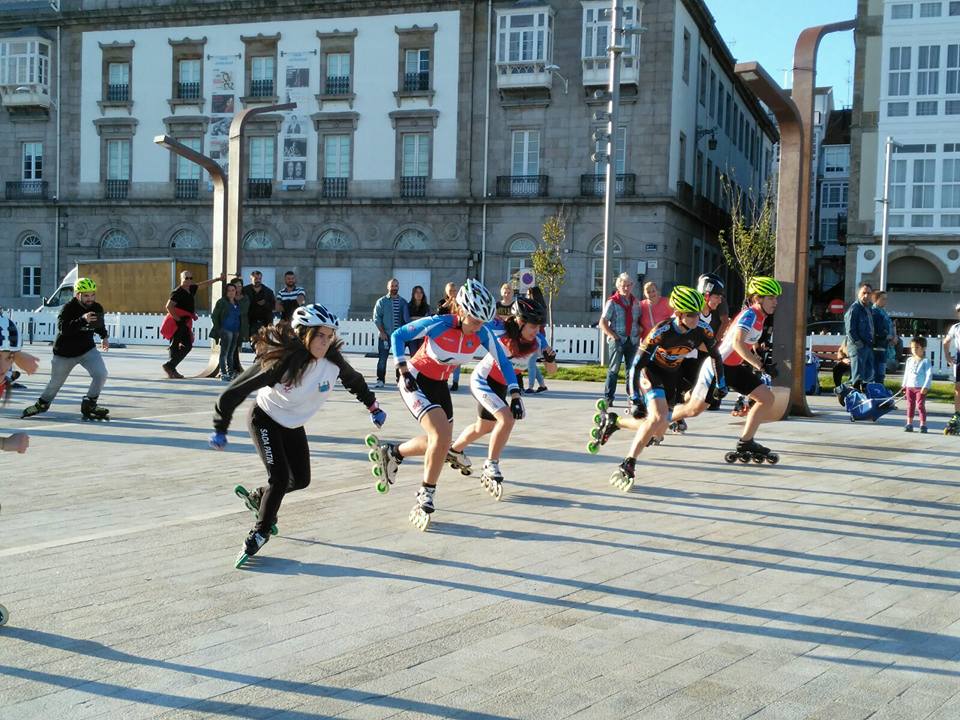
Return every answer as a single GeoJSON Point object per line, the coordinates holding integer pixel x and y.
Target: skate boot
{"type": "Point", "coordinates": [251, 546]}
{"type": "Point", "coordinates": [953, 425]}
{"type": "Point", "coordinates": [423, 510]}
{"type": "Point", "coordinates": [655, 440]}
{"type": "Point", "coordinates": [739, 407]}
{"type": "Point", "coordinates": [678, 426]}
{"type": "Point", "coordinates": [458, 460]}
{"type": "Point", "coordinates": [492, 479]}
{"type": "Point", "coordinates": [638, 408]}
{"type": "Point", "coordinates": [91, 411]}
{"type": "Point", "coordinates": [605, 425]}
{"type": "Point", "coordinates": [385, 462]}
{"type": "Point", "coordinates": [622, 478]}
{"type": "Point", "coordinates": [40, 406]}
{"type": "Point", "coordinates": [748, 450]}
{"type": "Point", "coordinates": [252, 501]}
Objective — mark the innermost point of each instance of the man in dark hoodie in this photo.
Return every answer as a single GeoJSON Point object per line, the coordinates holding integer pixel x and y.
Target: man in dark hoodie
{"type": "Point", "coordinates": [79, 321]}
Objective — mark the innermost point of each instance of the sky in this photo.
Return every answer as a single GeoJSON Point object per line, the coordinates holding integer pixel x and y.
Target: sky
{"type": "Point", "coordinates": [767, 31]}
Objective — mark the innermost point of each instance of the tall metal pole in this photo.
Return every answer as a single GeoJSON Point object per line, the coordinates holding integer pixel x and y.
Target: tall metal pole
{"type": "Point", "coordinates": [885, 226]}
{"type": "Point", "coordinates": [610, 195]}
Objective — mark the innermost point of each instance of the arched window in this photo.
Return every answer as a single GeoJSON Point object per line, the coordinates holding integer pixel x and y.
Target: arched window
{"type": "Point", "coordinates": [411, 240]}
{"type": "Point", "coordinates": [258, 240]}
{"type": "Point", "coordinates": [518, 255]}
{"type": "Point", "coordinates": [31, 260]}
{"type": "Point", "coordinates": [185, 240]}
{"type": "Point", "coordinates": [333, 240]}
{"type": "Point", "coordinates": [115, 240]}
{"type": "Point", "coordinates": [597, 291]}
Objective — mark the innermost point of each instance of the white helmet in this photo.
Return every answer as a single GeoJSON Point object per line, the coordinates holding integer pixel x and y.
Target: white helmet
{"type": "Point", "coordinates": [476, 300]}
{"type": "Point", "coordinates": [10, 340]}
{"type": "Point", "coordinates": [315, 315]}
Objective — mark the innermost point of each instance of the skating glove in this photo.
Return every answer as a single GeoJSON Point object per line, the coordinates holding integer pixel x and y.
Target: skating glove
{"type": "Point", "coordinates": [377, 416]}
{"type": "Point", "coordinates": [766, 379]}
{"type": "Point", "coordinates": [218, 440]}
{"type": "Point", "coordinates": [516, 409]}
{"type": "Point", "coordinates": [549, 357]}
{"type": "Point", "coordinates": [409, 382]}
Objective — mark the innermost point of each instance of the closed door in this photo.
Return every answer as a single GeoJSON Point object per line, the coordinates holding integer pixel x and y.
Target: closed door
{"type": "Point", "coordinates": [333, 290]}
{"type": "Point", "coordinates": [269, 275]}
{"type": "Point", "coordinates": [410, 277]}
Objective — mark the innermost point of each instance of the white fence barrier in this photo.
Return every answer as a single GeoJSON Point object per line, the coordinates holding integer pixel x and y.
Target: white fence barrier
{"type": "Point", "coordinates": [573, 343]}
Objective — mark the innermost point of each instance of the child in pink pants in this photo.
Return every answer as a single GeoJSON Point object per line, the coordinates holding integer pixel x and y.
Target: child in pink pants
{"type": "Point", "coordinates": [917, 375]}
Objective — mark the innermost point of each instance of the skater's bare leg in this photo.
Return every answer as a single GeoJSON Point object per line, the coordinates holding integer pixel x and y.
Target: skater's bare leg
{"type": "Point", "coordinates": [414, 447]}
{"type": "Point", "coordinates": [471, 433]}
{"type": "Point", "coordinates": [655, 425]}
{"type": "Point", "coordinates": [763, 399]}
{"type": "Point", "coordinates": [690, 409]}
{"type": "Point", "coordinates": [628, 422]}
{"type": "Point", "coordinates": [501, 433]}
{"type": "Point", "coordinates": [438, 438]}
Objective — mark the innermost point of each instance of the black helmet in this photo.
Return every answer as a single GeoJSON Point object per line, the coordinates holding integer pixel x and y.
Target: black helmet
{"type": "Point", "coordinates": [529, 311]}
{"type": "Point", "coordinates": [710, 284]}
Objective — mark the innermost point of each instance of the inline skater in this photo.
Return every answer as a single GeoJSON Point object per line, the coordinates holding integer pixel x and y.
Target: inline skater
{"type": "Point", "coordinates": [78, 322]}
{"type": "Point", "coordinates": [744, 368]}
{"type": "Point", "coordinates": [449, 342]}
{"type": "Point", "coordinates": [523, 341]}
{"type": "Point", "coordinates": [657, 369]}
{"type": "Point", "coordinates": [296, 367]}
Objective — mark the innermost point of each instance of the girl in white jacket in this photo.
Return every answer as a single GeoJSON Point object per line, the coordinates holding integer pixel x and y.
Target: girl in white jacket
{"type": "Point", "coordinates": [917, 375]}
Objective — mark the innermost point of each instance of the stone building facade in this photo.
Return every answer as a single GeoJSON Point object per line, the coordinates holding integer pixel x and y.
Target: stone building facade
{"type": "Point", "coordinates": [430, 142]}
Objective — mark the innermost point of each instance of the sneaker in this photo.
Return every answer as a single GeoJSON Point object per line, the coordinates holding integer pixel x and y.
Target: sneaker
{"type": "Point", "coordinates": [909, 428]}
{"type": "Point", "coordinates": [542, 388]}
{"type": "Point", "coordinates": [923, 429]}
{"type": "Point", "coordinates": [379, 384]}
{"type": "Point", "coordinates": [454, 387]}
{"type": "Point", "coordinates": [171, 373]}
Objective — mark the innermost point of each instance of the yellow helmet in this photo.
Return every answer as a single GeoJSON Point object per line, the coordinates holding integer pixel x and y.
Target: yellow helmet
{"type": "Point", "coordinates": [763, 286]}
{"type": "Point", "coordinates": [685, 299]}
{"type": "Point", "coordinates": [85, 285]}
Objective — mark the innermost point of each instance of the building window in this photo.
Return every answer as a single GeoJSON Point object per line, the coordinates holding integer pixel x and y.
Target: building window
{"type": "Point", "coordinates": [927, 108]}
{"type": "Point", "coordinates": [953, 70]}
{"type": "Point", "coordinates": [954, 9]}
{"type": "Point", "coordinates": [115, 240]}
{"type": "Point", "coordinates": [118, 159]}
{"type": "Point", "coordinates": [931, 9]}
{"type": "Point", "coordinates": [262, 70]}
{"type": "Point", "coordinates": [901, 11]}
{"type": "Point", "coordinates": [924, 172]}
{"type": "Point", "coordinates": [416, 155]}
{"type": "Point", "coordinates": [597, 291]}
{"type": "Point", "coordinates": [261, 158]}
{"type": "Point", "coordinates": [187, 170]}
{"type": "Point", "coordinates": [336, 156]}
{"type": "Point", "coordinates": [729, 115]}
{"type": "Point", "coordinates": [338, 73]}
{"type": "Point", "coordinates": [415, 76]}
{"type": "Point", "coordinates": [333, 240]}
{"type": "Point", "coordinates": [258, 240]}
{"type": "Point", "coordinates": [703, 81]}
{"type": "Point", "coordinates": [118, 82]}
{"type": "Point", "coordinates": [951, 107]}
{"type": "Point", "coordinates": [32, 161]}
{"type": "Point", "coordinates": [950, 186]}
{"type": "Point", "coordinates": [519, 251]}
{"type": "Point", "coordinates": [25, 63]}
{"type": "Point", "coordinates": [600, 168]}
{"type": "Point", "coordinates": [928, 70]}
{"type": "Point", "coordinates": [713, 94]}
{"type": "Point", "coordinates": [834, 195]}
{"type": "Point", "coordinates": [524, 38]}
{"type": "Point", "coordinates": [411, 240]}
{"type": "Point", "coordinates": [828, 230]}
{"type": "Point", "coordinates": [416, 70]}
{"type": "Point", "coordinates": [682, 170]}
{"type": "Point", "coordinates": [898, 109]}
{"type": "Point", "coordinates": [686, 56]}
{"type": "Point", "coordinates": [525, 152]}
{"type": "Point", "coordinates": [185, 240]}
{"type": "Point", "coordinates": [188, 79]}
{"type": "Point", "coordinates": [31, 259]}
{"type": "Point", "coordinates": [899, 76]}
{"type": "Point", "coordinates": [596, 32]}
{"type": "Point", "coordinates": [836, 159]}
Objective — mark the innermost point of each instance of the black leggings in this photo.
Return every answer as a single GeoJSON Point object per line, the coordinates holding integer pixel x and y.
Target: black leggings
{"type": "Point", "coordinates": [841, 368]}
{"type": "Point", "coordinates": [286, 456]}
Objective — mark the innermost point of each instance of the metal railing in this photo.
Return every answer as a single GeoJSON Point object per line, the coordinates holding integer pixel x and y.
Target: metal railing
{"type": "Point", "coordinates": [187, 189]}
{"type": "Point", "coordinates": [416, 82]}
{"type": "Point", "coordinates": [259, 188]}
{"type": "Point", "coordinates": [188, 90]}
{"type": "Point", "coordinates": [118, 92]}
{"type": "Point", "coordinates": [522, 185]}
{"type": "Point", "coordinates": [116, 189]}
{"type": "Point", "coordinates": [413, 186]}
{"type": "Point", "coordinates": [27, 190]}
{"type": "Point", "coordinates": [337, 85]}
{"type": "Point", "coordinates": [596, 185]}
{"type": "Point", "coordinates": [335, 187]}
{"type": "Point", "coordinates": [261, 88]}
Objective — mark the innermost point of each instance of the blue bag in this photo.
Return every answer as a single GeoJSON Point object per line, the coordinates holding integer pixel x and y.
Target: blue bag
{"type": "Point", "coordinates": [876, 402]}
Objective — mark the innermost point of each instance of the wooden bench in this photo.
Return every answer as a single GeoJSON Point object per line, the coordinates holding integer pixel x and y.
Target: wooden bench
{"type": "Point", "coordinates": [826, 353]}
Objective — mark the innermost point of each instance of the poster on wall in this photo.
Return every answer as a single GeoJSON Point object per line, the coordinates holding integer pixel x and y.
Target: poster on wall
{"type": "Point", "coordinates": [223, 80]}
{"type": "Point", "coordinates": [295, 75]}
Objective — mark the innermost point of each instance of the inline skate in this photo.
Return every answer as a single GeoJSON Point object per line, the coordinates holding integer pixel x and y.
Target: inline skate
{"type": "Point", "coordinates": [40, 406]}
{"type": "Point", "coordinates": [953, 425]}
{"type": "Point", "coordinates": [748, 450]}
{"type": "Point", "coordinates": [492, 479]}
{"type": "Point", "coordinates": [458, 460]}
{"type": "Point", "coordinates": [251, 546]}
{"type": "Point", "coordinates": [678, 426]}
{"type": "Point", "coordinates": [385, 462]}
{"type": "Point", "coordinates": [91, 411]}
{"type": "Point", "coordinates": [252, 501]}
{"type": "Point", "coordinates": [422, 512]}
{"type": "Point", "coordinates": [622, 478]}
{"type": "Point", "coordinates": [605, 425]}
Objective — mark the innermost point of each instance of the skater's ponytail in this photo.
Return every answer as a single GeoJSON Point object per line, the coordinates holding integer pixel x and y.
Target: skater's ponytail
{"type": "Point", "coordinates": [513, 341]}
{"type": "Point", "coordinates": [282, 345]}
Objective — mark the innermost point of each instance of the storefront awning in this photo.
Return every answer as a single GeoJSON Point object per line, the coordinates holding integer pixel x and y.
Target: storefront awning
{"type": "Point", "coordinates": [922, 306]}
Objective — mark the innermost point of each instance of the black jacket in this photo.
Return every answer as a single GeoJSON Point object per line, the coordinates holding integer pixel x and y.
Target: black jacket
{"type": "Point", "coordinates": [255, 377]}
{"type": "Point", "coordinates": [74, 333]}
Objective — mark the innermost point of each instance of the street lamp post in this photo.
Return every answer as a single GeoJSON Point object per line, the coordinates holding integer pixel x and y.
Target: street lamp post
{"type": "Point", "coordinates": [885, 201]}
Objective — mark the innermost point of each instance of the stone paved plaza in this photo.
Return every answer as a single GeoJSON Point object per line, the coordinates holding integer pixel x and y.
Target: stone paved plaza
{"type": "Point", "coordinates": [824, 588]}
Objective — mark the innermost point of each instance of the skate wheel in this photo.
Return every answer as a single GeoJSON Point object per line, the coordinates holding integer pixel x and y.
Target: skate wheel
{"type": "Point", "coordinates": [758, 459]}
{"type": "Point", "coordinates": [730, 457]}
{"type": "Point", "coordinates": [465, 472]}
{"type": "Point", "coordinates": [377, 471]}
{"type": "Point", "coordinates": [4, 615]}
{"type": "Point", "coordinates": [241, 492]}
{"type": "Point", "coordinates": [274, 530]}
{"type": "Point", "coordinates": [371, 440]}
{"type": "Point", "coordinates": [773, 458]}
{"type": "Point", "coordinates": [595, 433]}
{"type": "Point", "coordinates": [497, 491]}
{"type": "Point", "coordinates": [743, 458]}
{"type": "Point", "coordinates": [374, 456]}
{"type": "Point", "coordinates": [627, 485]}
{"type": "Point", "coordinates": [597, 419]}
{"type": "Point", "coordinates": [241, 560]}
{"type": "Point", "coordinates": [593, 448]}
{"type": "Point", "coordinates": [601, 405]}
{"type": "Point", "coordinates": [382, 487]}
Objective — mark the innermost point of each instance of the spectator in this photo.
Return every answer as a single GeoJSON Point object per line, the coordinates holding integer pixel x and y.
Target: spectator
{"type": "Point", "coordinates": [505, 303]}
{"type": "Point", "coordinates": [883, 336]}
{"type": "Point", "coordinates": [290, 297]}
{"type": "Point", "coordinates": [917, 376]}
{"type": "Point", "coordinates": [229, 326]}
{"type": "Point", "coordinates": [262, 303]}
{"type": "Point", "coordinates": [245, 327]}
{"type": "Point", "coordinates": [859, 326]}
{"type": "Point", "coordinates": [390, 312]}
{"type": "Point", "coordinates": [533, 369]}
{"type": "Point", "coordinates": [445, 307]}
{"type": "Point", "coordinates": [842, 366]}
{"type": "Point", "coordinates": [181, 312]}
{"type": "Point", "coordinates": [419, 308]}
{"type": "Point", "coordinates": [619, 323]}
{"type": "Point", "coordinates": [654, 309]}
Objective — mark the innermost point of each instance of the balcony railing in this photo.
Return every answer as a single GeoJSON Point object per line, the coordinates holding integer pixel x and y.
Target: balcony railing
{"type": "Point", "coordinates": [116, 189]}
{"type": "Point", "coordinates": [118, 93]}
{"type": "Point", "coordinates": [261, 88]}
{"type": "Point", "coordinates": [259, 188]}
{"type": "Point", "coordinates": [337, 85]}
{"type": "Point", "coordinates": [413, 186]}
{"type": "Point", "coordinates": [532, 73]}
{"type": "Point", "coordinates": [335, 187]}
{"type": "Point", "coordinates": [187, 189]}
{"type": "Point", "coordinates": [522, 185]}
{"type": "Point", "coordinates": [416, 82]}
{"type": "Point", "coordinates": [27, 190]}
{"type": "Point", "coordinates": [188, 90]}
{"type": "Point", "coordinates": [596, 185]}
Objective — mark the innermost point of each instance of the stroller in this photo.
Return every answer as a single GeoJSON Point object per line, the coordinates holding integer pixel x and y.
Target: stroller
{"type": "Point", "coordinates": [871, 404]}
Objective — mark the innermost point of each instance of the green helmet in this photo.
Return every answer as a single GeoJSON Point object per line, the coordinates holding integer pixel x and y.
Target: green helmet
{"type": "Point", "coordinates": [763, 286]}
{"type": "Point", "coordinates": [685, 299]}
{"type": "Point", "coordinates": [85, 285]}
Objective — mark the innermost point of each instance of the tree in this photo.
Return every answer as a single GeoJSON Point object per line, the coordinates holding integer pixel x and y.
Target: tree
{"type": "Point", "coordinates": [547, 261]}
{"type": "Point", "coordinates": [750, 245]}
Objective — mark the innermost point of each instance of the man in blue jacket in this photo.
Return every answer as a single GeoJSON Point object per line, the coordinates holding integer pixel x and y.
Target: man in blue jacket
{"type": "Point", "coordinates": [859, 326]}
{"type": "Point", "coordinates": [390, 312]}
